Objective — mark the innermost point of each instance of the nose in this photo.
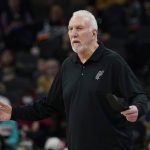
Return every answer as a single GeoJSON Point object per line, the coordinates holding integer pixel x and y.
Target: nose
{"type": "Point", "coordinates": [74, 34]}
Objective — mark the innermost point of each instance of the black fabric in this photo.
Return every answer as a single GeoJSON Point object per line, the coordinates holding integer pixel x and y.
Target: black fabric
{"type": "Point", "coordinates": [117, 103]}
{"type": "Point", "coordinates": [80, 90]}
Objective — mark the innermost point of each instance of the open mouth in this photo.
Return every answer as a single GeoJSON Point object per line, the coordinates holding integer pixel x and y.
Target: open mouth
{"type": "Point", "coordinates": [75, 42]}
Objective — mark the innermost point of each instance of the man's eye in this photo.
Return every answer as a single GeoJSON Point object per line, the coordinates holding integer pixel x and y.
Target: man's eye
{"type": "Point", "coordinates": [79, 28]}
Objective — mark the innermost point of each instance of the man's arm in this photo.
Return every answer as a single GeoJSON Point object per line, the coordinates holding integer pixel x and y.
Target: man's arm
{"type": "Point", "coordinates": [137, 109]}
{"type": "Point", "coordinates": [131, 89]}
{"type": "Point", "coordinates": [39, 109]}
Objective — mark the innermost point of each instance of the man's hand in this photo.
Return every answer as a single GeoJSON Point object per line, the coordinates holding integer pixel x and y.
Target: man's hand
{"type": "Point", "coordinates": [131, 114]}
{"type": "Point", "coordinates": [5, 112]}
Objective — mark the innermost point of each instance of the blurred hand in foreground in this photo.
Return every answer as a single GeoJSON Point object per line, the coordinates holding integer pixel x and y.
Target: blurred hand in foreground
{"type": "Point", "coordinates": [5, 111]}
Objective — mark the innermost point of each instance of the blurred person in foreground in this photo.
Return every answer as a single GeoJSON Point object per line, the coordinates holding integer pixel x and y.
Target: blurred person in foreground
{"type": "Point", "coordinates": [22, 147]}
{"type": "Point", "coordinates": [80, 88]}
{"type": "Point", "coordinates": [54, 143]}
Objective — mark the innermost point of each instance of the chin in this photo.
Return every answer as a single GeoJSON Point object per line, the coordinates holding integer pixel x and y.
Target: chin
{"type": "Point", "coordinates": [78, 50]}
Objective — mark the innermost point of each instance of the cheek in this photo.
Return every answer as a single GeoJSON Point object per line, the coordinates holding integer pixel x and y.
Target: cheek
{"type": "Point", "coordinates": [86, 38]}
{"type": "Point", "coordinates": [69, 35]}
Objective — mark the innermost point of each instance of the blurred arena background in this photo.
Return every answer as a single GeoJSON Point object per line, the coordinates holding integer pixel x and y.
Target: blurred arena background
{"type": "Point", "coordinates": [34, 43]}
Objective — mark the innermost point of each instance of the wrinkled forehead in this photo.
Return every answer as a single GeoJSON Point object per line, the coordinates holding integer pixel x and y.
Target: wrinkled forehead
{"type": "Point", "coordinates": [79, 20]}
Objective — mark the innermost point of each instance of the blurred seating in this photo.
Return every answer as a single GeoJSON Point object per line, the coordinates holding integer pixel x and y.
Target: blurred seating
{"type": "Point", "coordinates": [118, 45]}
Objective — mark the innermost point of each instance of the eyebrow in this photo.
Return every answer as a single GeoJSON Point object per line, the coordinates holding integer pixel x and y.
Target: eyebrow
{"type": "Point", "coordinates": [76, 26]}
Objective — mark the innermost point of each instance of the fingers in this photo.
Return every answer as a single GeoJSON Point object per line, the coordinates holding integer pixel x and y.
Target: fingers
{"type": "Point", "coordinates": [5, 108]}
{"type": "Point", "coordinates": [2, 104]}
{"type": "Point", "coordinates": [131, 119]}
{"type": "Point", "coordinates": [3, 117]}
{"type": "Point", "coordinates": [131, 114]}
{"type": "Point", "coordinates": [131, 110]}
{"type": "Point", "coordinates": [5, 111]}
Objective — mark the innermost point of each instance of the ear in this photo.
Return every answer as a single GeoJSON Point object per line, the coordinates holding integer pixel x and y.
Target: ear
{"type": "Point", "coordinates": [94, 33]}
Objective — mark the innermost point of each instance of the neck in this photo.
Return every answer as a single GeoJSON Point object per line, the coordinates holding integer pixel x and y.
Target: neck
{"type": "Point", "coordinates": [85, 55]}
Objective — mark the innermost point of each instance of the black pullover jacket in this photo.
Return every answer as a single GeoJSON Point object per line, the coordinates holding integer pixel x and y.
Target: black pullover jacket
{"type": "Point", "coordinates": [80, 90]}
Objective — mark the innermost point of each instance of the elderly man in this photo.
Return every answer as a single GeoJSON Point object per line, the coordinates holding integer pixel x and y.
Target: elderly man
{"type": "Point", "coordinates": [81, 87]}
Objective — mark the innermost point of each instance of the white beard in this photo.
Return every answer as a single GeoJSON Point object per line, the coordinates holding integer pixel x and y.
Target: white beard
{"type": "Point", "coordinates": [78, 48]}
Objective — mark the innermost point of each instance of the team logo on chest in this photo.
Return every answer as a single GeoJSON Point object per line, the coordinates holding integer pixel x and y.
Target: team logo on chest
{"type": "Point", "coordinates": [99, 74]}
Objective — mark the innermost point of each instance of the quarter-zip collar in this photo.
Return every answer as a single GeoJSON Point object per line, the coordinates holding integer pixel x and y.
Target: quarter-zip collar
{"type": "Point", "coordinates": [94, 57]}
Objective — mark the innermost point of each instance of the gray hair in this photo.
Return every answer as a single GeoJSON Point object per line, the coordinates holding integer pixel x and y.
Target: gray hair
{"type": "Point", "coordinates": [88, 15]}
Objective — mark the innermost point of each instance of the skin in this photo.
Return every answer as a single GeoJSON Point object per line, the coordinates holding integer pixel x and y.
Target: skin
{"type": "Point", "coordinates": [131, 114]}
{"type": "Point", "coordinates": [83, 38]}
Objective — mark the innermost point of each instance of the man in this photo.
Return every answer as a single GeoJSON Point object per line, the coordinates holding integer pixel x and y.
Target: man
{"type": "Point", "coordinates": [80, 88]}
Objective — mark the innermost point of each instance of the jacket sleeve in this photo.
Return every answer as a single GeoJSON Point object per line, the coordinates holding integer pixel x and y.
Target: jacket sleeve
{"type": "Point", "coordinates": [131, 89]}
{"type": "Point", "coordinates": [41, 109]}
